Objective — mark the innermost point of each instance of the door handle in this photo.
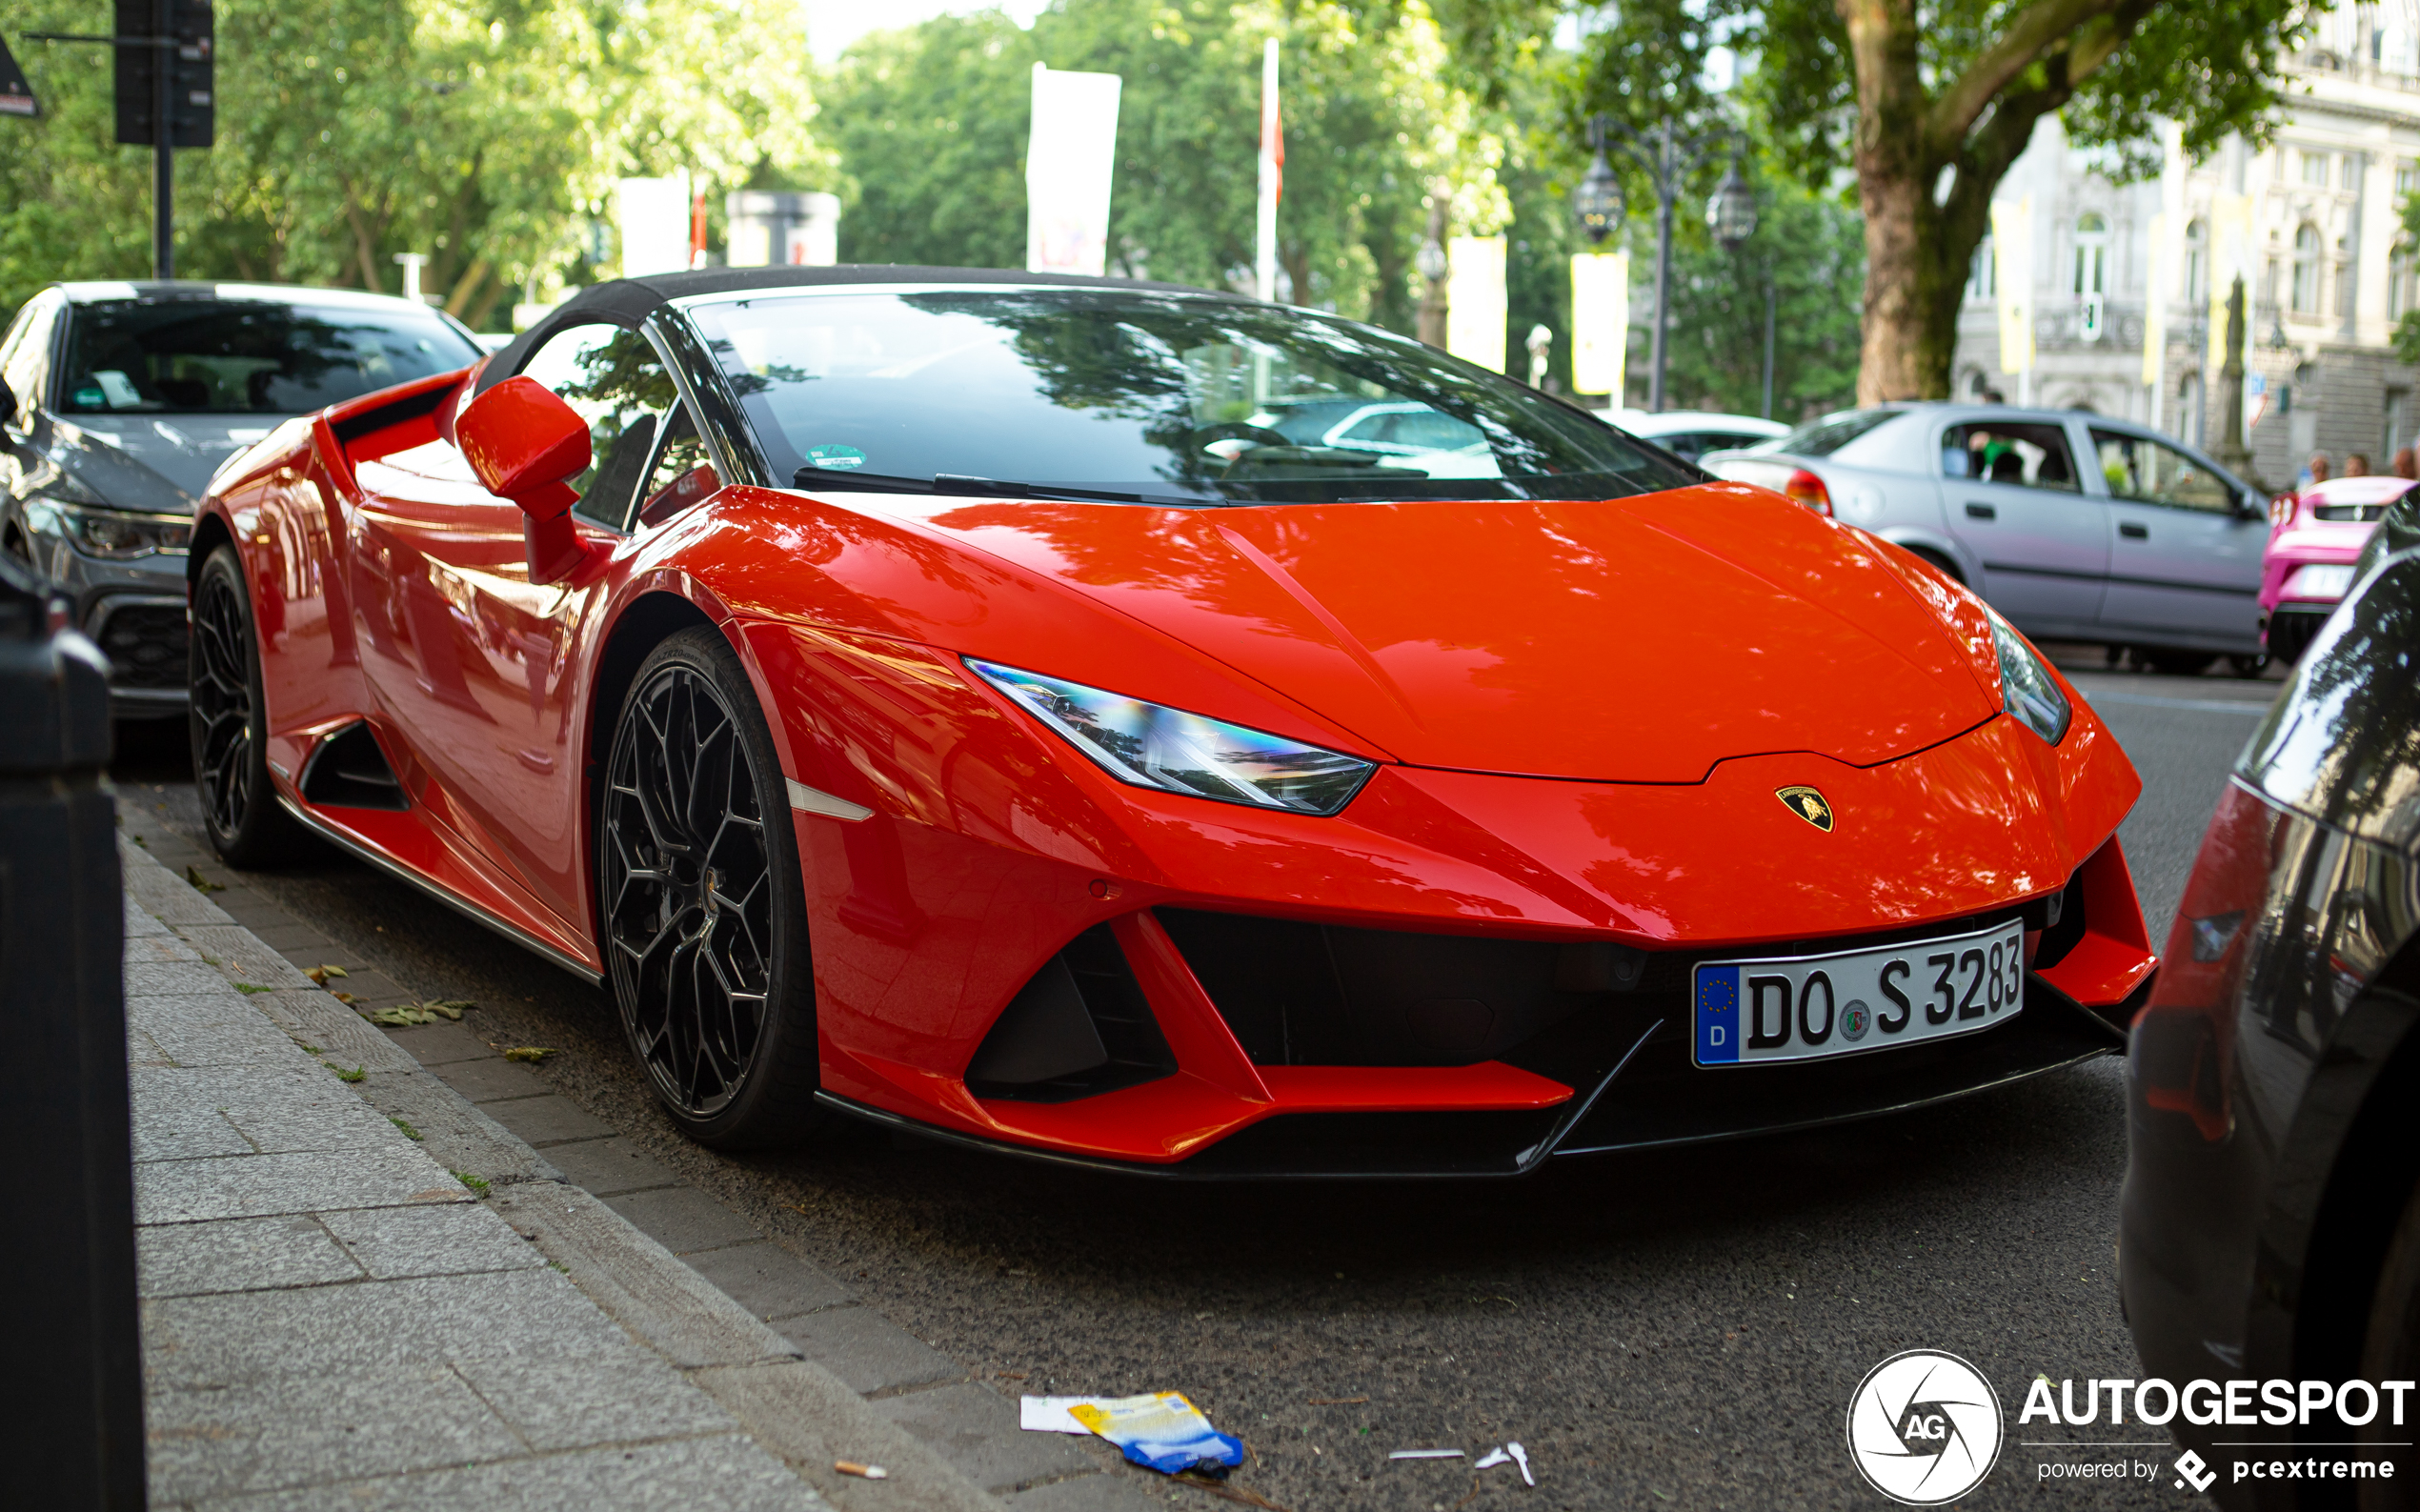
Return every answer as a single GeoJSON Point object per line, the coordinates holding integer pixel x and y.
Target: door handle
{"type": "Point", "coordinates": [1982, 511]}
{"type": "Point", "coordinates": [2135, 533]}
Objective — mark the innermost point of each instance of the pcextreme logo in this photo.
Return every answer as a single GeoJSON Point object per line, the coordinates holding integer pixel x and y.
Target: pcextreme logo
{"type": "Point", "coordinates": [1924, 1427]}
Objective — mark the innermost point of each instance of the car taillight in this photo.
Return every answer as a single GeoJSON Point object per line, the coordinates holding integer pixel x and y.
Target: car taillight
{"type": "Point", "coordinates": [2281, 509]}
{"type": "Point", "coordinates": [1805, 487]}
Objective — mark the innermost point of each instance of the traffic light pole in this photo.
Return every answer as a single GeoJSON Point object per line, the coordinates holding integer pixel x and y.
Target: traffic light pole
{"type": "Point", "coordinates": [163, 144]}
{"type": "Point", "coordinates": [180, 42]}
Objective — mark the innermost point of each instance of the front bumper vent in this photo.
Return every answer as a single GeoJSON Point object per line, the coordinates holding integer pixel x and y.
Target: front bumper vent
{"type": "Point", "coordinates": [1079, 1028]}
{"type": "Point", "coordinates": [1320, 995]}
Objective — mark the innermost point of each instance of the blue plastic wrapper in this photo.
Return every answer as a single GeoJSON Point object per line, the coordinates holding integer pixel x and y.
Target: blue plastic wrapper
{"type": "Point", "coordinates": [1161, 1431]}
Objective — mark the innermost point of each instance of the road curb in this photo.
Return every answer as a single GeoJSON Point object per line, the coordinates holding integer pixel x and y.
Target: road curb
{"type": "Point", "coordinates": [793, 1407]}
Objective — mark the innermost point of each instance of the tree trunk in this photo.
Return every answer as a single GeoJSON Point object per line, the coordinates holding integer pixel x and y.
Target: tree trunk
{"type": "Point", "coordinates": [1909, 328]}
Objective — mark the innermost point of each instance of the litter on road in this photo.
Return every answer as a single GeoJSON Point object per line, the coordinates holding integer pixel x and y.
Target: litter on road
{"type": "Point", "coordinates": [1159, 1430]}
{"type": "Point", "coordinates": [1494, 1458]}
{"type": "Point", "coordinates": [1426, 1454]}
{"type": "Point", "coordinates": [870, 1472]}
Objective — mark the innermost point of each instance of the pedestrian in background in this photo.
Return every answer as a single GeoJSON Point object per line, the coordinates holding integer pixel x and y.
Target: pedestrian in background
{"type": "Point", "coordinates": [2356, 464]}
{"type": "Point", "coordinates": [2405, 464]}
{"type": "Point", "coordinates": [2314, 471]}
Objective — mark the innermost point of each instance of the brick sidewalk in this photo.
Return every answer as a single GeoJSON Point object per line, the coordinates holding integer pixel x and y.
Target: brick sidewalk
{"type": "Point", "coordinates": [333, 1317]}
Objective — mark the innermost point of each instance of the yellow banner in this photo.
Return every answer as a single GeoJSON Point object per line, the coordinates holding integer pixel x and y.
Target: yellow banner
{"type": "Point", "coordinates": [2012, 275]}
{"type": "Point", "coordinates": [2230, 245]}
{"type": "Point", "coordinates": [1600, 322]}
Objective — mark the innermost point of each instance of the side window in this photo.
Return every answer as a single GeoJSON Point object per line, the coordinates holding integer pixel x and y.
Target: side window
{"type": "Point", "coordinates": [2152, 474]}
{"type": "Point", "coordinates": [26, 355]}
{"type": "Point", "coordinates": [683, 473]}
{"type": "Point", "coordinates": [615, 381]}
{"type": "Point", "coordinates": [2015, 452]}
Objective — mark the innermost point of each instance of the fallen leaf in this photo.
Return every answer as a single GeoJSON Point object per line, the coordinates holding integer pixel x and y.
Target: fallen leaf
{"type": "Point", "coordinates": [530, 1053]}
{"type": "Point", "coordinates": [321, 974]}
{"type": "Point", "coordinates": [201, 884]}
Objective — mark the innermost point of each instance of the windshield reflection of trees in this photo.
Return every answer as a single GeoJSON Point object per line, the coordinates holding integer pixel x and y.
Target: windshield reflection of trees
{"type": "Point", "coordinates": [1125, 357]}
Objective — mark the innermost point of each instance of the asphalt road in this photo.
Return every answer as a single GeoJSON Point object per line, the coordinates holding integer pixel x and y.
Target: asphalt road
{"type": "Point", "coordinates": [1681, 1330]}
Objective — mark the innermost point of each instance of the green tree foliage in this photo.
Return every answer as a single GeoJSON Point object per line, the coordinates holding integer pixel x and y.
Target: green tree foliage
{"type": "Point", "coordinates": [930, 124]}
{"type": "Point", "coordinates": [1931, 104]}
{"type": "Point", "coordinates": [483, 134]}
{"type": "Point", "coordinates": [1813, 250]}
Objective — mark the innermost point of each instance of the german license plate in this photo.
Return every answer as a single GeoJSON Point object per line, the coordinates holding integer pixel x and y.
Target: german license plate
{"type": "Point", "coordinates": [1808, 1007]}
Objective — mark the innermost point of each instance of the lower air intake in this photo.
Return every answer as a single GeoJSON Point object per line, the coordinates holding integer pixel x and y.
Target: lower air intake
{"type": "Point", "coordinates": [348, 771]}
{"type": "Point", "coordinates": [1080, 1028]}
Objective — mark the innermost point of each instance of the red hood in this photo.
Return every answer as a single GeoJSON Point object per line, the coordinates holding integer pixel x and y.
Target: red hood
{"type": "Point", "coordinates": [1639, 640]}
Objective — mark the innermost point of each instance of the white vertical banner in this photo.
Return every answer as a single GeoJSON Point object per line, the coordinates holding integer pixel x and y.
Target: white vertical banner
{"type": "Point", "coordinates": [1475, 319]}
{"type": "Point", "coordinates": [652, 214]}
{"type": "Point", "coordinates": [1600, 322]}
{"type": "Point", "coordinates": [1069, 160]}
{"type": "Point", "coordinates": [2155, 314]}
{"type": "Point", "coordinates": [2012, 272]}
{"type": "Point", "coordinates": [1264, 266]}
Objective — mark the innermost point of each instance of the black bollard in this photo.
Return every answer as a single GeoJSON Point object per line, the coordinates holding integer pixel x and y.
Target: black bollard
{"type": "Point", "coordinates": [70, 1356]}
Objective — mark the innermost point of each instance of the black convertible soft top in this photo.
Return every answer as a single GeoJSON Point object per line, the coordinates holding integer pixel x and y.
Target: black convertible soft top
{"type": "Point", "coordinates": [629, 301]}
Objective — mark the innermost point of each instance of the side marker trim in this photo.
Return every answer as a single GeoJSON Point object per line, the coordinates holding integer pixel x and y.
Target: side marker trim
{"type": "Point", "coordinates": [810, 800]}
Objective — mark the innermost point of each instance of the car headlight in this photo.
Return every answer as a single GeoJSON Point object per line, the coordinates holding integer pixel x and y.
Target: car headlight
{"type": "Point", "coordinates": [1152, 746]}
{"type": "Point", "coordinates": [121, 534]}
{"type": "Point", "coordinates": [2026, 687]}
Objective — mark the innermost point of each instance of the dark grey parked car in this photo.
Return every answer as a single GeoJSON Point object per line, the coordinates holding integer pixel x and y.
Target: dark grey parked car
{"type": "Point", "coordinates": [121, 399]}
{"type": "Point", "coordinates": [2075, 526]}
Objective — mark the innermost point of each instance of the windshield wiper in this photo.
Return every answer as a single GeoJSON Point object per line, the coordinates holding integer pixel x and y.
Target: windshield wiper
{"type": "Point", "coordinates": [960, 483]}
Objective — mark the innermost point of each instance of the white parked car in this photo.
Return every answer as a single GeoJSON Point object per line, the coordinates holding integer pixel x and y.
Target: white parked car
{"type": "Point", "coordinates": [1692, 434]}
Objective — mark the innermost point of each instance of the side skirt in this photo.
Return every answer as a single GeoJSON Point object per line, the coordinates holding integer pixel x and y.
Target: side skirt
{"type": "Point", "coordinates": [438, 890]}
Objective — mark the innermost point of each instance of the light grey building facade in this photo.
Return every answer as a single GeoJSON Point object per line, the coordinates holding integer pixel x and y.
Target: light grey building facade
{"type": "Point", "coordinates": [2313, 221]}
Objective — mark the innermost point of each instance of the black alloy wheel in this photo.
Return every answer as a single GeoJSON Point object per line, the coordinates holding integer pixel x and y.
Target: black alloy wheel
{"type": "Point", "coordinates": [228, 719]}
{"type": "Point", "coordinates": [705, 930]}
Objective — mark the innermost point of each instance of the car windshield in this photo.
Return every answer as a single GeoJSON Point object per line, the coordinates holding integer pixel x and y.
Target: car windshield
{"type": "Point", "coordinates": [246, 357]}
{"type": "Point", "coordinates": [1190, 399]}
{"type": "Point", "coordinates": [1829, 434]}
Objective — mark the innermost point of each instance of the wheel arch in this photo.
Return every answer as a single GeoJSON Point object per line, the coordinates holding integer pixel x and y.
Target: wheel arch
{"type": "Point", "coordinates": [210, 531]}
{"type": "Point", "coordinates": [645, 622]}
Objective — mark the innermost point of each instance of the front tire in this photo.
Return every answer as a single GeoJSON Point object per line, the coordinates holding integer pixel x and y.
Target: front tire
{"type": "Point", "coordinates": [703, 902]}
{"type": "Point", "coordinates": [228, 720]}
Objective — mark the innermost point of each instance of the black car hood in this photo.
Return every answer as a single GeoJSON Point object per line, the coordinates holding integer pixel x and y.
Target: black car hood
{"type": "Point", "coordinates": [158, 464]}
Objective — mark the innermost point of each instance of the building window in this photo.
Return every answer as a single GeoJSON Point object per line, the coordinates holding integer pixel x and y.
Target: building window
{"type": "Point", "coordinates": [2350, 177]}
{"type": "Point", "coordinates": [2403, 282]}
{"type": "Point", "coordinates": [2092, 271]}
{"type": "Point", "coordinates": [2197, 262]}
{"type": "Point", "coordinates": [2407, 177]}
{"type": "Point", "coordinates": [2306, 290]}
{"type": "Point", "coordinates": [1981, 278]}
{"type": "Point", "coordinates": [2189, 410]}
{"type": "Point", "coordinates": [2315, 168]}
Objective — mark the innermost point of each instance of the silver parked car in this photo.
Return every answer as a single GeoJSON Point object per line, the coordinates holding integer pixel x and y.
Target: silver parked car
{"type": "Point", "coordinates": [2075, 526]}
{"type": "Point", "coordinates": [119, 400]}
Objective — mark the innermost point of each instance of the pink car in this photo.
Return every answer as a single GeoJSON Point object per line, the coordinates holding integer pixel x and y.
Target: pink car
{"type": "Point", "coordinates": [2306, 568]}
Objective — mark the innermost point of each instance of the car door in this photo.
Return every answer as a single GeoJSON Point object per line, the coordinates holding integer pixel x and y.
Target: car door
{"type": "Point", "coordinates": [467, 654]}
{"type": "Point", "coordinates": [2184, 553]}
{"type": "Point", "coordinates": [2015, 499]}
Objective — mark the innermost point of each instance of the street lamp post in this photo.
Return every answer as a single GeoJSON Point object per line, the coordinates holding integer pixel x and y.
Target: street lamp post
{"type": "Point", "coordinates": [1731, 216]}
{"type": "Point", "coordinates": [1667, 158]}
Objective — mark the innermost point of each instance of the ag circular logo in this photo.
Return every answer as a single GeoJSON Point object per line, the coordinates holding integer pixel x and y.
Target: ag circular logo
{"type": "Point", "coordinates": [1854, 1019]}
{"type": "Point", "coordinates": [1924, 1427]}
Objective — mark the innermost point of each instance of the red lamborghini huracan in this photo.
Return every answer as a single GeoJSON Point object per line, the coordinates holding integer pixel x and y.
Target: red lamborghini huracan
{"type": "Point", "coordinates": [1137, 726]}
